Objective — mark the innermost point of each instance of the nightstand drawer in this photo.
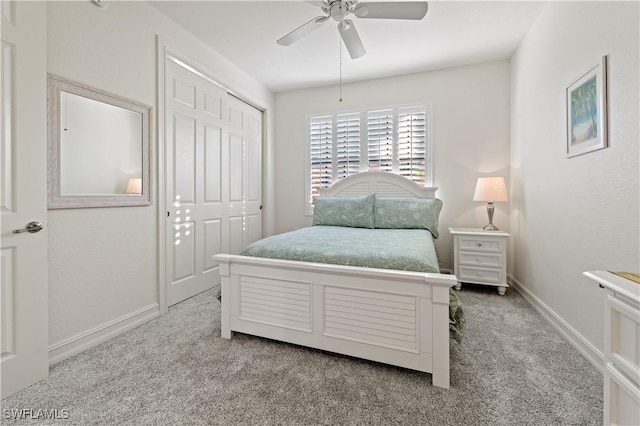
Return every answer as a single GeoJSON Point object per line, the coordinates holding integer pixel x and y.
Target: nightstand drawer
{"type": "Point", "coordinates": [480, 259]}
{"type": "Point", "coordinates": [484, 275]}
{"type": "Point", "coordinates": [480, 244]}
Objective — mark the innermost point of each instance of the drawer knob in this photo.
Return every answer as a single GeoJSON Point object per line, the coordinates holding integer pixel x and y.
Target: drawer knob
{"type": "Point", "coordinates": [479, 244]}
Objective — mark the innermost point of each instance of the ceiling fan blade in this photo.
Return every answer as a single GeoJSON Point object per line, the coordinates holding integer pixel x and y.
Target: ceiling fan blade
{"type": "Point", "coordinates": [351, 38]}
{"type": "Point", "coordinates": [318, 3]}
{"type": "Point", "coordinates": [302, 31]}
{"type": "Point", "coordinates": [392, 10]}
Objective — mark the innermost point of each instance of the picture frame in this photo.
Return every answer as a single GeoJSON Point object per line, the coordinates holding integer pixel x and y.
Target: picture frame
{"type": "Point", "coordinates": [586, 100]}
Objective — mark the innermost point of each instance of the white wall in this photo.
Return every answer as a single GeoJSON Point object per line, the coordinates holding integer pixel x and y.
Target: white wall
{"type": "Point", "coordinates": [582, 213]}
{"type": "Point", "coordinates": [103, 262]}
{"type": "Point", "coordinates": [470, 118]}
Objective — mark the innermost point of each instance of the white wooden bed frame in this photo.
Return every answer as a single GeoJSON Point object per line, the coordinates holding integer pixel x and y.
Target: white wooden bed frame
{"type": "Point", "coordinates": [394, 317]}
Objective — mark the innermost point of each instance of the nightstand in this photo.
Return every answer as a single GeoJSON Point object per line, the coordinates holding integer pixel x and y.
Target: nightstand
{"type": "Point", "coordinates": [480, 257]}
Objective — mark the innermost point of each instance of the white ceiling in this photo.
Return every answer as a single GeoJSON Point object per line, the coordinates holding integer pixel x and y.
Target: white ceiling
{"type": "Point", "coordinates": [453, 33]}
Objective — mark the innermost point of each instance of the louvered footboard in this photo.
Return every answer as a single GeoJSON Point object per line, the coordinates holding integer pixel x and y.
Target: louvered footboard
{"type": "Point", "coordinates": [394, 317]}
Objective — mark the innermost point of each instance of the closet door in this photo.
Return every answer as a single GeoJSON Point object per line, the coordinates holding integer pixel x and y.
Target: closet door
{"type": "Point", "coordinates": [245, 183]}
{"type": "Point", "coordinates": [213, 185]}
{"type": "Point", "coordinates": [197, 167]}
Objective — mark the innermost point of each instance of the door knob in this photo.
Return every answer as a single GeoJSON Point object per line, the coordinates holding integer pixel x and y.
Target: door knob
{"type": "Point", "coordinates": [32, 227]}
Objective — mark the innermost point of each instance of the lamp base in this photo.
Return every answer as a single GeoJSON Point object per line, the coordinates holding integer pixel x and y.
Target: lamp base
{"type": "Point", "coordinates": [491, 227]}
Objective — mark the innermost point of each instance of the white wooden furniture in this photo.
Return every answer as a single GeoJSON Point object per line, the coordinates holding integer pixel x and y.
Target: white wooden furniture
{"type": "Point", "coordinates": [480, 257]}
{"type": "Point", "coordinates": [395, 317]}
{"type": "Point", "coordinates": [621, 347]}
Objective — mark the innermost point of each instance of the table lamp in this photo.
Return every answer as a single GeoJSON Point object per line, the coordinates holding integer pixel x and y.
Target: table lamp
{"type": "Point", "coordinates": [490, 189]}
{"type": "Point", "coordinates": [134, 186]}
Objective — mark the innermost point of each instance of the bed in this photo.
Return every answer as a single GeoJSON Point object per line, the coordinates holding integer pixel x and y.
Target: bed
{"type": "Point", "coordinates": [372, 306]}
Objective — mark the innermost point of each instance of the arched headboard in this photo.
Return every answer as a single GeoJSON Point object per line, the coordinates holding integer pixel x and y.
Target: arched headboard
{"type": "Point", "coordinates": [379, 183]}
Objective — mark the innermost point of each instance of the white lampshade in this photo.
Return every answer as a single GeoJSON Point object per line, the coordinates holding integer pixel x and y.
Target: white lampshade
{"type": "Point", "coordinates": [134, 186]}
{"type": "Point", "coordinates": [491, 189]}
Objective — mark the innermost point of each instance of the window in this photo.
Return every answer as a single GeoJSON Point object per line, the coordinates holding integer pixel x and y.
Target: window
{"type": "Point", "coordinates": [390, 140]}
{"type": "Point", "coordinates": [321, 154]}
{"type": "Point", "coordinates": [412, 146]}
{"type": "Point", "coordinates": [380, 141]}
{"type": "Point", "coordinates": [347, 146]}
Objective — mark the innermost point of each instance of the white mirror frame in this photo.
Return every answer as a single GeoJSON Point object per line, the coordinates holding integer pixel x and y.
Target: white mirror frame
{"type": "Point", "coordinates": [56, 199]}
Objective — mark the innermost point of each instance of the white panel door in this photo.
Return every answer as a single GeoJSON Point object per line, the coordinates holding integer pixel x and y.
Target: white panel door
{"type": "Point", "coordinates": [196, 161]}
{"type": "Point", "coordinates": [213, 152]}
{"type": "Point", "coordinates": [24, 357]}
{"type": "Point", "coordinates": [245, 184]}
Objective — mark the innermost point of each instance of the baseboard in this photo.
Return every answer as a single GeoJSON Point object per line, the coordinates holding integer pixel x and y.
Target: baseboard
{"type": "Point", "coordinates": [83, 341]}
{"type": "Point", "coordinates": [589, 351]}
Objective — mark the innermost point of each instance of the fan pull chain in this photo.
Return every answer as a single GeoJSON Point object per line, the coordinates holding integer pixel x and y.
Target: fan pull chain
{"type": "Point", "coordinates": [340, 48]}
{"type": "Point", "coordinates": [340, 69]}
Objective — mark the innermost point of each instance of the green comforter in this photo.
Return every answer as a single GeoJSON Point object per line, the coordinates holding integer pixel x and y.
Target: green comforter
{"type": "Point", "coordinates": [402, 249]}
{"type": "Point", "coordinates": [399, 249]}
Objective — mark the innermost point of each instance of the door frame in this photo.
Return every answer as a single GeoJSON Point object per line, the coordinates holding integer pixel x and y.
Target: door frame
{"type": "Point", "coordinates": [166, 52]}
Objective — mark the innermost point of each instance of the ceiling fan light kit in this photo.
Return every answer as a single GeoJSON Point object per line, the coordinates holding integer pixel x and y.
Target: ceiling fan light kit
{"type": "Point", "coordinates": [339, 9]}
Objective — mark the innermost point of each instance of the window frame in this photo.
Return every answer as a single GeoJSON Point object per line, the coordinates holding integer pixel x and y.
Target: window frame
{"type": "Point", "coordinates": [364, 141]}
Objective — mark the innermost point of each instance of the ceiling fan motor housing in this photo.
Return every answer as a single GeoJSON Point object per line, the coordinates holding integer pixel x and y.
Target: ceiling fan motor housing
{"type": "Point", "coordinates": [338, 9]}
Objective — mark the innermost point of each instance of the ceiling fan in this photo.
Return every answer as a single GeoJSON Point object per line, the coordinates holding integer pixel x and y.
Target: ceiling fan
{"type": "Point", "coordinates": [339, 9]}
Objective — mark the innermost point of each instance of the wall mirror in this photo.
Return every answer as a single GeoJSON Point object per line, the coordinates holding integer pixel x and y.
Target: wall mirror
{"type": "Point", "coordinates": [99, 147]}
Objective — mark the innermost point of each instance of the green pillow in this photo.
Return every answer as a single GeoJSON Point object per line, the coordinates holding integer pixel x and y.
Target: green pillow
{"type": "Point", "coordinates": [354, 212]}
{"type": "Point", "coordinates": [407, 213]}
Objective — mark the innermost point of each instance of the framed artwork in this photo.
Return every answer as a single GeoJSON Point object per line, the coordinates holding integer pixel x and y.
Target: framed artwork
{"type": "Point", "coordinates": [587, 111]}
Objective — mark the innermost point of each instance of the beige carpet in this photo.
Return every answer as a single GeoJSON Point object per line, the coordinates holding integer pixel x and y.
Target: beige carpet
{"type": "Point", "coordinates": [511, 369]}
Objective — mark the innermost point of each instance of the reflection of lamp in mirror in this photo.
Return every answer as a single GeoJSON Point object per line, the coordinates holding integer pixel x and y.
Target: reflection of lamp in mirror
{"type": "Point", "coordinates": [134, 186]}
{"type": "Point", "coordinates": [490, 189]}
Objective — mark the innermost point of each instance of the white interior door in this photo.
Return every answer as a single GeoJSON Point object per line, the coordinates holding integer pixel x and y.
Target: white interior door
{"type": "Point", "coordinates": [23, 196]}
{"type": "Point", "coordinates": [213, 180]}
{"type": "Point", "coordinates": [245, 183]}
{"type": "Point", "coordinates": [194, 153]}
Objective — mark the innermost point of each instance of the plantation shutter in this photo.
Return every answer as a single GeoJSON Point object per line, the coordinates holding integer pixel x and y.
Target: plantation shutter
{"type": "Point", "coordinates": [394, 140]}
{"type": "Point", "coordinates": [321, 154]}
{"type": "Point", "coordinates": [380, 140]}
{"type": "Point", "coordinates": [412, 144]}
{"type": "Point", "coordinates": [347, 145]}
